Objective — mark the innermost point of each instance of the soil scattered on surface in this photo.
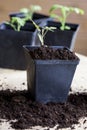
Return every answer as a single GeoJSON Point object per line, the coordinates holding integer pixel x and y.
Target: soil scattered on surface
{"type": "Point", "coordinates": [44, 52]}
{"type": "Point", "coordinates": [18, 105]}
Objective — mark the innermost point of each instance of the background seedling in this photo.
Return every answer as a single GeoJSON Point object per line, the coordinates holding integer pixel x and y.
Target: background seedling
{"type": "Point", "coordinates": [16, 23]}
{"type": "Point", "coordinates": [65, 12]}
{"type": "Point", "coordinates": [30, 11]}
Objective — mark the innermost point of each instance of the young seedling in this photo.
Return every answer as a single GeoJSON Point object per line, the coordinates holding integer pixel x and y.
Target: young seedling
{"type": "Point", "coordinates": [42, 31]}
{"type": "Point", "coordinates": [16, 23]}
{"type": "Point", "coordinates": [30, 11]}
{"type": "Point", "coordinates": [65, 12]}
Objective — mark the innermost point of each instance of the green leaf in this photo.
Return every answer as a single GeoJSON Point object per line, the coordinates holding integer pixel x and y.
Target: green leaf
{"type": "Point", "coordinates": [79, 11]}
{"type": "Point", "coordinates": [54, 7]}
{"type": "Point", "coordinates": [54, 15]}
{"type": "Point", "coordinates": [18, 20]}
{"type": "Point", "coordinates": [35, 8]}
{"type": "Point", "coordinates": [7, 23]}
{"type": "Point", "coordinates": [67, 27]}
{"type": "Point", "coordinates": [50, 28]}
{"type": "Point", "coordinates": [24, 10]}
{"type": "Point", "coordinates": [29, 11]}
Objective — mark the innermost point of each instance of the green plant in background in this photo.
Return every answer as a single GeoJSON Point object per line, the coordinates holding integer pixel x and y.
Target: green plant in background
{"type": "Point", "coordinates": [16, 23]}
{"type": "Point", "coordinates": [65, 12]}
{"type": "Point", "coordinates": [30, 11]}
{"type": "Point", "coordinates": [42, 31]}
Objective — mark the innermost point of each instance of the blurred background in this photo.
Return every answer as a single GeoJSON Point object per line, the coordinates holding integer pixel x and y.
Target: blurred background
{"type": "Point", "coordinates": [10, 6]}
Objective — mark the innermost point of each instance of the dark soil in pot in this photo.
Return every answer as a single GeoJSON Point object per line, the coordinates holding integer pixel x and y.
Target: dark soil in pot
{"type": "Point", "coordinates": [45, 52]}
{"type": "Point", "coordinates": [18, 105]}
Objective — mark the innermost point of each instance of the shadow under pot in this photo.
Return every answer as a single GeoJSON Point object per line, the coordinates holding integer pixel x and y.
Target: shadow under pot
{"type": "Point", "coordinates": [49, 80]}
{"type": "Point", "coordinates": [11, 46]}
{"type": "Point", "coordinates": [61, 38]}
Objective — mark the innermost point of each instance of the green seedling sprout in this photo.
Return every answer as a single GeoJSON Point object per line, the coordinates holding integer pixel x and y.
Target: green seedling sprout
{"type": "Point", "coordinates": [30, 11]}
{"type": "Point", "coordinates": [65, 12]}
{"type": "Point", "coordinates": [42, 31]}
{"type": "Point", "coordinates": [16, 23]}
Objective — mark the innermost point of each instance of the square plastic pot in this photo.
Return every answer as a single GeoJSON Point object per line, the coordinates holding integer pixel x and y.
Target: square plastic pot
{"type": "Point", "coordinates": [61, 38]}
{"type": "Point", "coordinates": [49, 80]}
{"type": "Point", "coordinates": [11, 46]}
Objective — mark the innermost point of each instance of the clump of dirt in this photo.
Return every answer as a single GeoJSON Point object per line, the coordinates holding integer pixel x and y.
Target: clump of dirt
{"type": "Point", "coordinates": [19, 105]}
{"type": "Point", "coordinates": [46, 52]}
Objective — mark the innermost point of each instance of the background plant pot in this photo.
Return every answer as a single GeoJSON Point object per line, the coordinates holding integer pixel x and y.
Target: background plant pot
{"type": "Point", "coordinates": [61, 38]}
{"type": "Point", "coordinates": [49, 80]}
{"type": "Point", "coordinates": [37, 17]}
{"type": "Point", "coordinates": [11, 50]}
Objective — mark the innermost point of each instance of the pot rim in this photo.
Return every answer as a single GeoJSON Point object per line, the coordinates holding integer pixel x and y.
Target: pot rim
{"type": "Point", "coordinates": [55, 61]}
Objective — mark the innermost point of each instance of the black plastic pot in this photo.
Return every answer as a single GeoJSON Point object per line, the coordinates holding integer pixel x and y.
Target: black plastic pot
{"type": "Point", "coordinates": [37, 17]}
{"type": "Point", "coordinates": [61, 38]}
{"type": "Point", "coordinates": [11, 42]}
{"type": "Point", "coordinates": [49, 80]}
